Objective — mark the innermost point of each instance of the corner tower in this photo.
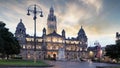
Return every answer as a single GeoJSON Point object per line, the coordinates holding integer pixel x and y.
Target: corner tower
{"type": "Point", "coordinates": [20, 33]}
{"type": "Point", "coordinates": [82, 35]}
{"type": "Point", "coordinates": [51, 22]}
{"type": "Point", "coordinates": [82, 38]}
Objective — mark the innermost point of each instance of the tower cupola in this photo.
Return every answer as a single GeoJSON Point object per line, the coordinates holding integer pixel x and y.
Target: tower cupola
{"type": "Point", "coordinates": [20, 29]}
{"type": "Point", "coordinates": [20, 33]}
{"type": "Point", "coordinates": [82, 35]}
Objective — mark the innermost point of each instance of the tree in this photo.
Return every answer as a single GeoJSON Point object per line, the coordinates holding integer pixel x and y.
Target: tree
{"type": "Point", "coordinates": [9, 44]}
{"type": "Point", "coordinates": [113, 51]}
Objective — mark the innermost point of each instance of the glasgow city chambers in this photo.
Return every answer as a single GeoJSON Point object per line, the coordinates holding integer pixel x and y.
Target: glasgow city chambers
{"type": "Point", "coordinates": [51, 44]}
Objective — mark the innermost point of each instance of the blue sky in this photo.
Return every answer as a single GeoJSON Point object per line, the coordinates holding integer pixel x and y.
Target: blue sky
{"type": "Point", "coordinates": [99, 18]}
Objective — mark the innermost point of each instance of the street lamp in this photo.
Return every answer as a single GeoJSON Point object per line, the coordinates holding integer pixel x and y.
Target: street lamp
{"type": "Point", "coordinates": [33, 9]}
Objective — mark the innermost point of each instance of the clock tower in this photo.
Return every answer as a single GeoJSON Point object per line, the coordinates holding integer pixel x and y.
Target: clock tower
{"type": "Point", "coordinates": [51, 22]}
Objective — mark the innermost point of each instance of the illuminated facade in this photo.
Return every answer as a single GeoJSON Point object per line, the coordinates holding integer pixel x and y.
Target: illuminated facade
{"type": "Point", "coordinates": [51, 44]}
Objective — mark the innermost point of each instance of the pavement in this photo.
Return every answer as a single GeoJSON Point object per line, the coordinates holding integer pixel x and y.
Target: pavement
{"type": "Point", "coordinates": [68, 64]}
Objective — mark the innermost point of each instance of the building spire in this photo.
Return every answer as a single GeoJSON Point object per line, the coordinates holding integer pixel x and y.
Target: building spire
{"type": "Point", "coordinates": [81, 26]}
{"type": "Point", "coordinates": [63, 33]}
{"type": "Point", "coordinates": [51, 21]}
{"type": "Point", "coordinates": [81, 31]}
{"type": "Point", "coordinates": [20, 20]}
{"type": "Point", "coordinates": [52, 10]}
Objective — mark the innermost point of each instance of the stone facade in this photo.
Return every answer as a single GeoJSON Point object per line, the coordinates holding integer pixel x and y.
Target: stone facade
{"type": "Point", "coordinates": [50, 43]}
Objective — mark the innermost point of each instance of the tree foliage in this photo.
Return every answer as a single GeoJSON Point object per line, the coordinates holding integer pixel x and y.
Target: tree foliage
{"type": "Point", "coordinates": [113, 51]}
{"type": "Point", "coordinates": [8, 43]}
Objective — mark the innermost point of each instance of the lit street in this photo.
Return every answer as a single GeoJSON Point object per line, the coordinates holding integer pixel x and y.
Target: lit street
{"type": "Point", "coordinates": [79, 65]}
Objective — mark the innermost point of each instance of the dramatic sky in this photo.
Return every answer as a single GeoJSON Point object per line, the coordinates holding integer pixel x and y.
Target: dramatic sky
{"type": "Point", "coordinates": [99, 18]}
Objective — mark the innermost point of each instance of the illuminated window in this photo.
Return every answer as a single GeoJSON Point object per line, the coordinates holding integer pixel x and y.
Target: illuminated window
{"type": "Point", "coordinates": [49, 47]}
{"type": "Point", "coordinates": [23, 46]}
{"type": "Point", "coordinates": [85, 49]}
{"type": "Point", "coordinates": [77, 48]}
{"type": "Point", "coordinates": [28, 56]}
{"type": "Point", "coordinates": [57, 47]}
{"type": "Point", "coordinates": [73, 47]}
{"type": "Point", "coordinates": [29, 39]}
{"type": "Point", "coordinates": [68, 48]}
{"type": "Point", "coordinates": [60, 40]}
{"type": "Point", "coordinates": [28, 47]}
{"type": "Point", "coordinates": [76, 42]}
{"type": "Point", "coordinates": [63, 41]}
{"type": "Point", "coordinates": [38, 47]}
{"type": "Point", "coordinates": [48, 39]}
{"type": "Point", "coordinates": [67, 41]}
{"type": "Point", "coordinates": [80, 42]}
{"type": "Point", "coordinates": [32, 47]}
{"type": "Point", "coordinates": [80, 49]}
{"type": "Point", "coordinates": [54, 39]}
{"type": "Point", "coordinates": [72, 42]}
{"type": "Point", "coordinates": [39, 40]}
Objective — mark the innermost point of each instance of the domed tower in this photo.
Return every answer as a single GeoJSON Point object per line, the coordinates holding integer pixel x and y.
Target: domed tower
{"type": "Point", "coordinates": [82, 35]}
{"type": "Point", "coordinates": [83, 39]}
{"type": "Point", "coordinates": [51, 22]}
{"type": "Point", "coordinates": [20, 33]}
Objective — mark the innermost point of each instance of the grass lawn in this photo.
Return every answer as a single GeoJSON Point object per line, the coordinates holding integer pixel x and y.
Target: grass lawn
{"type": "Point", "coordinates": [22, 63]}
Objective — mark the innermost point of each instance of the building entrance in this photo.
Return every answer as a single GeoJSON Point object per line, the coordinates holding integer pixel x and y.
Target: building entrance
{"type": "Point", "coordinates": [52, 55]}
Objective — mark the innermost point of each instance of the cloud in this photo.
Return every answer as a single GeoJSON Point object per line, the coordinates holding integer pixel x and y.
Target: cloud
{"type": "Point", "coordinates": [78, 13]}
{"type": "Point", "coordinates": [96, 4]}
{"type": "Point", "coordinates": [102, 39]}
{"type": "Point", "coordinates": [77, 16]}
{"type": "Point", "coordinates": [71, 15]}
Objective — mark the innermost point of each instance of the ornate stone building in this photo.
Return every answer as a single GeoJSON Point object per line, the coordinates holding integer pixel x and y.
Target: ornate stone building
{"type": "Point", "coordinates": [51, 44]}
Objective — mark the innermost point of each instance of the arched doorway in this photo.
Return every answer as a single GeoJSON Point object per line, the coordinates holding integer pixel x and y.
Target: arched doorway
{"type": "Point", "coordinates": [54, 56]}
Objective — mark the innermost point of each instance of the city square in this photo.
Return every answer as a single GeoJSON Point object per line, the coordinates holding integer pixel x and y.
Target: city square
{"type": "Point", "coordinates": [59, 34]}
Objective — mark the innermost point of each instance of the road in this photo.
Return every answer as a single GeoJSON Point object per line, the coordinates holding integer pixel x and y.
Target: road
{"type": "Point", "coordinates": [79, 64]}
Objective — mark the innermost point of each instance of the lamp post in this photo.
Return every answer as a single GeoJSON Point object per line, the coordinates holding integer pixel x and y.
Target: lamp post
{"type": "Point", "coordinates": [33, 9]}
